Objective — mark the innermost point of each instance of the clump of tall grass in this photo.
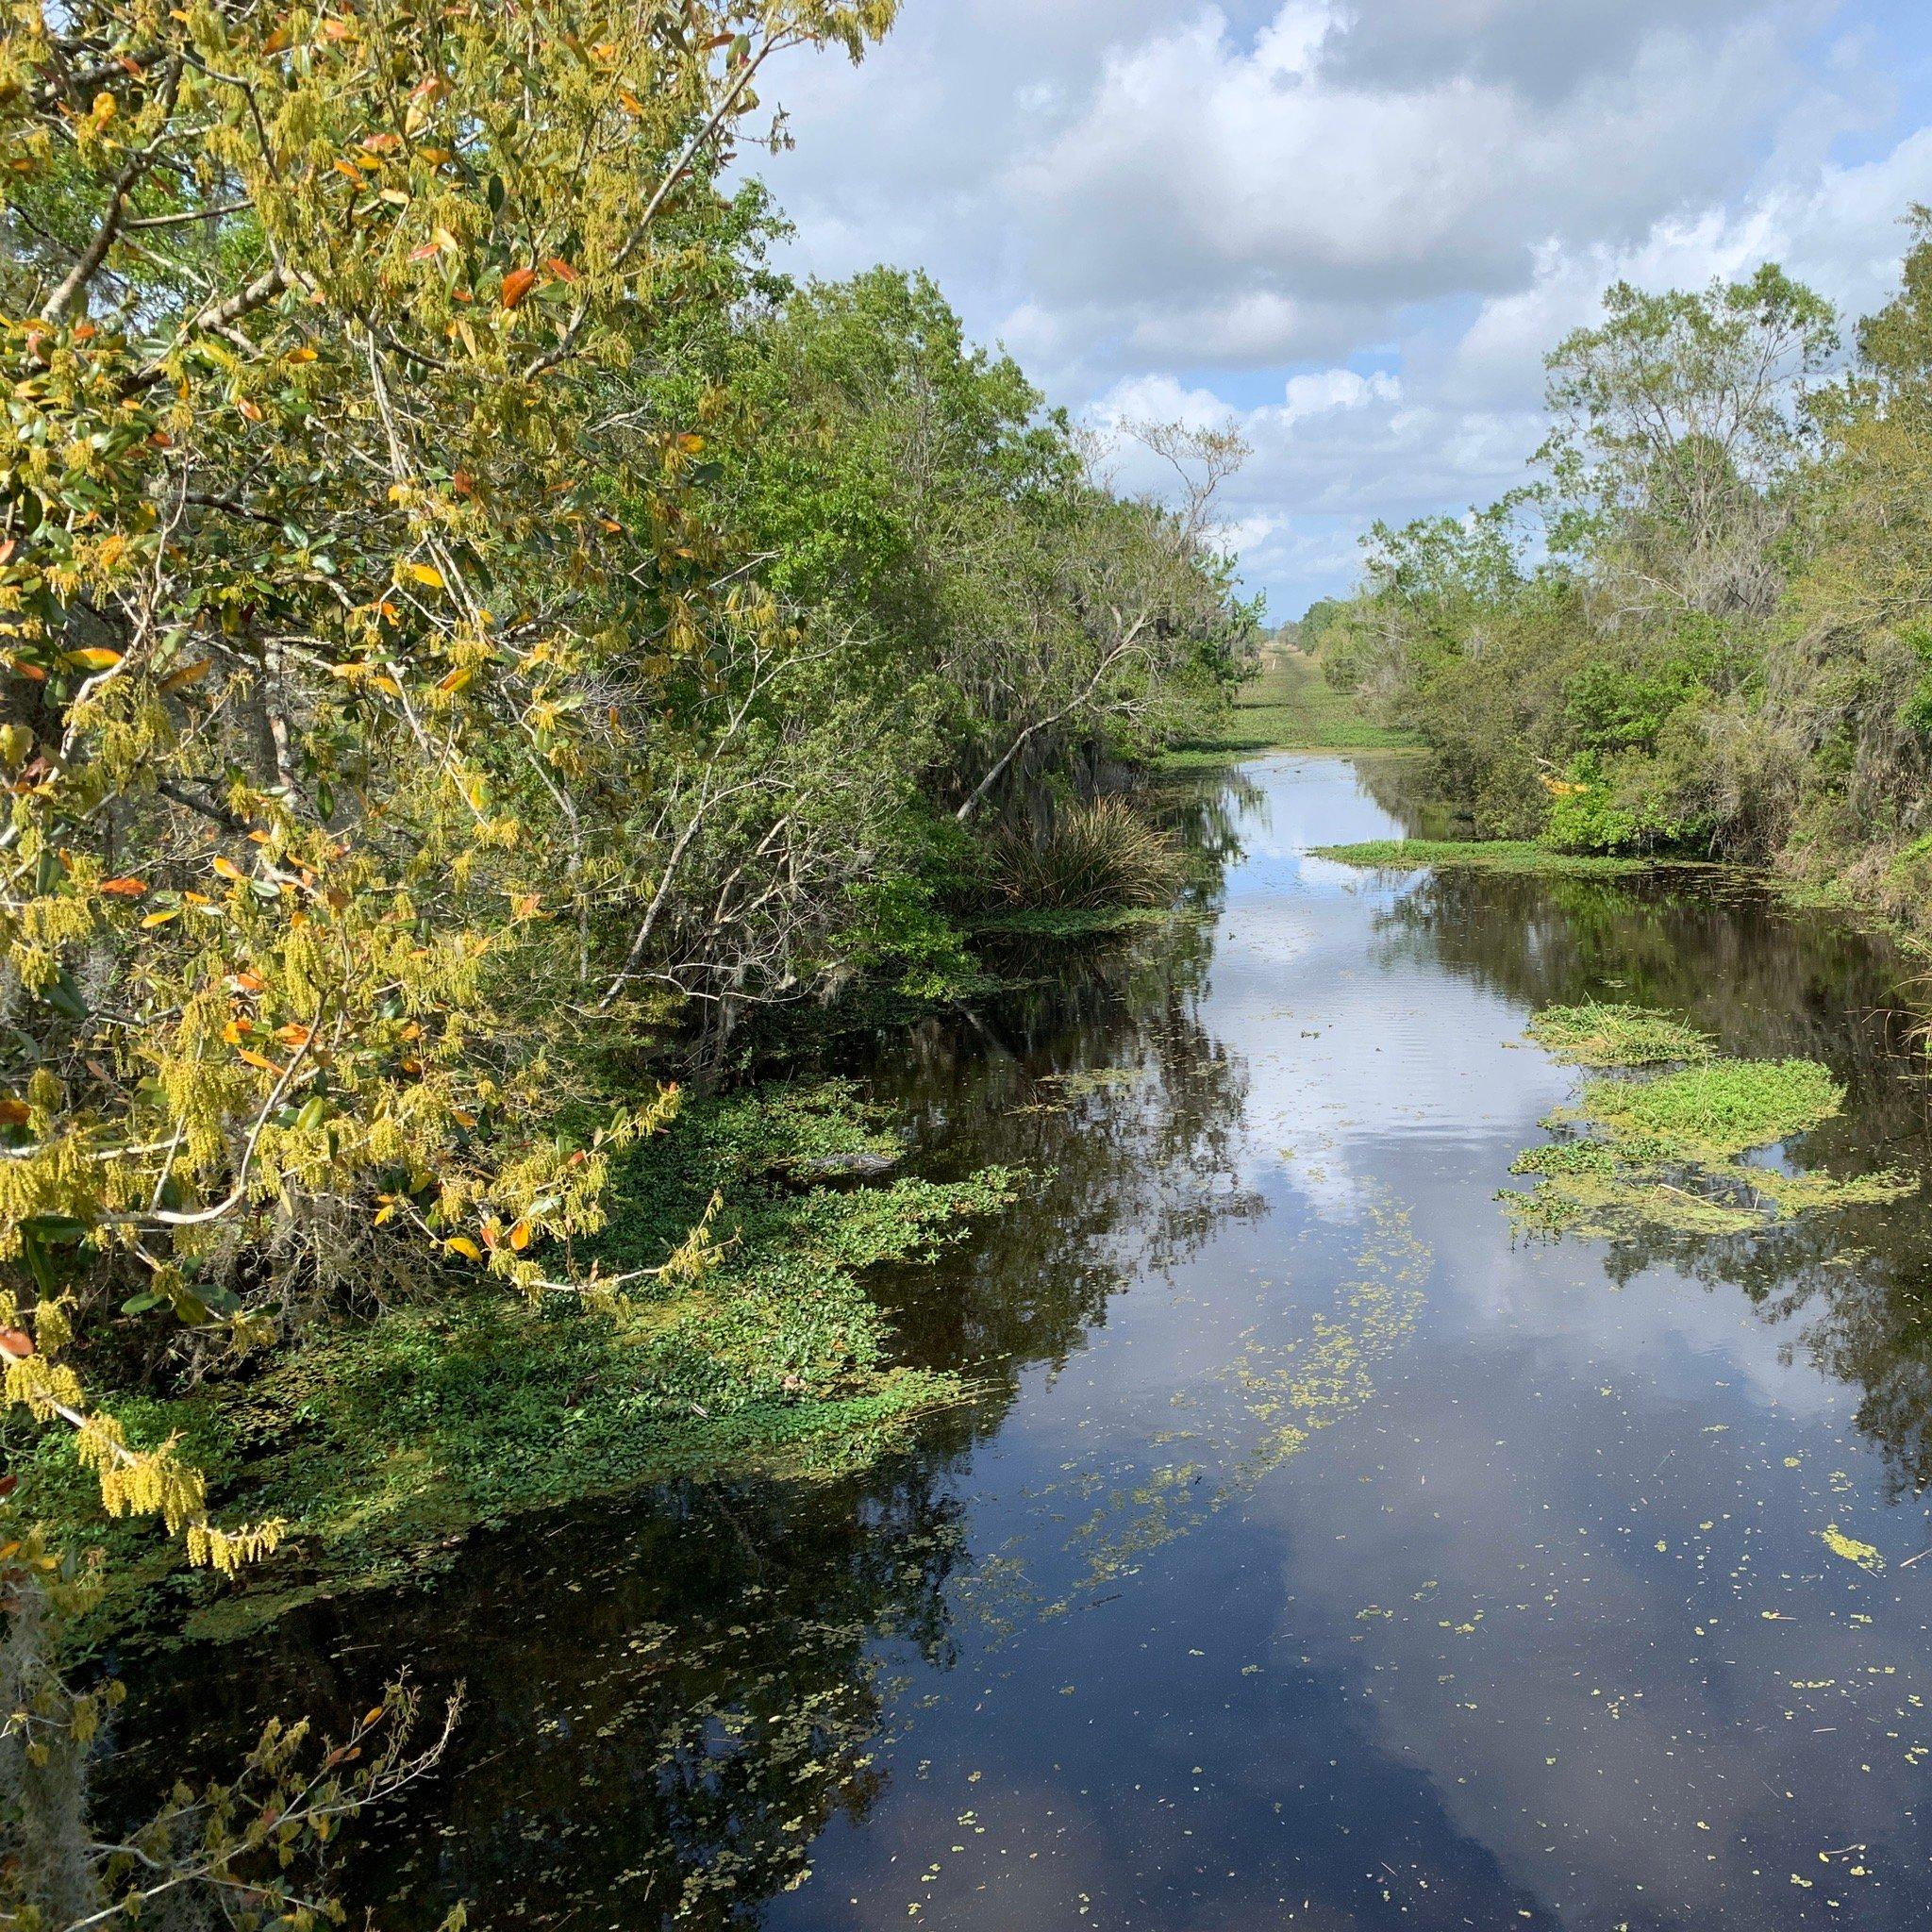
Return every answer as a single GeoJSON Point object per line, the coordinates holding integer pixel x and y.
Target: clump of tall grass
{"type": "Point", "coordinates": [1092, 856]}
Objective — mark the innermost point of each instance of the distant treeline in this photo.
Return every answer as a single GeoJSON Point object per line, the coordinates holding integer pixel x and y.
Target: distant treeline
{"type": "Point", "coordinates": [1704, 626]}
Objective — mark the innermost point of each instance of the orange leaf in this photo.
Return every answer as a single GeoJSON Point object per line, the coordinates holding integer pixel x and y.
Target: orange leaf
{"type": "Point", "coordinates": [293, 1035]}
{"type": "Point", "coordinates": [124, 889]}
{"type": "Point", "coordinates": [16, 1342]}
{"type": "Point", "coordinates": [463, 1245]}
{"type": "Point", "coordinates": [189, 673]}
{"type": "Point", "coordinates": [261, 1060]}
{"type": "Point", "coordinates": [519, 1236]}
{"type": "Point", "coordinates": [227, 868]}
{"type": "Point", "coordinates": [560, 269]}
{"type": "Point", "coordinates": [517, 284]}
{"type": "Point", "coordinates": [14, 1113]}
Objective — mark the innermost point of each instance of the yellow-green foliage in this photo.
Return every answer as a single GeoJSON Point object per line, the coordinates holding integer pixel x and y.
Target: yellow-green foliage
{"type": "Point", "coordinates": [1664, 1153]}
{"type": "Point", "coordinates": [1595, 1035]}
{"type": "Point", "coordinates": [314, 734]}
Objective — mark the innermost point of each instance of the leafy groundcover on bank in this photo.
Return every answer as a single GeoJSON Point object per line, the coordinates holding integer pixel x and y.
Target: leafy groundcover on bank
{"type": "Point", "coordinates": [385, 1442]}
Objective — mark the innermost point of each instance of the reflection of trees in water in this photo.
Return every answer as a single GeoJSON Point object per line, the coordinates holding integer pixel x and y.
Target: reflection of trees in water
{"type": "Point", "coordinates": [1104, 1082]}
{"type": "Point", "coordinates": [1767, 981]}
{"type": "Point", "coordinates": [1213, 814]}
{"type": "Point", "coordinates": [666, 1704]}
{"type": "Point", "coordinates": [1405, 789]}
{"type": "Point", "coordinates": [1855, 1291]}
{"type": "Point", "coordinates": [670, 1699]}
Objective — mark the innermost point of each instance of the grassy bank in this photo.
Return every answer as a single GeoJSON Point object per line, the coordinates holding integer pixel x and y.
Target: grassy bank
{"type": "Point", "coordinates": [384, 1444]}
{"type": "Point", "coordinates": [1288, 706]}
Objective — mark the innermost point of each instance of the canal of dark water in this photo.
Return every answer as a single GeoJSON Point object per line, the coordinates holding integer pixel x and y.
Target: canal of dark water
{"type": "Point", "coordinates": [1316, 1552]}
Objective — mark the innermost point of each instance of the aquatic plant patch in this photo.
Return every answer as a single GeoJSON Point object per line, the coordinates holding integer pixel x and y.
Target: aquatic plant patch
{"type": "Point", "coordinates": [1664, 1153]}
{"type": "Point", "coordinates": [1720, 1108]}
{"type": "Point", "coordinates": [1606, 1035]}
{"type": "Point", "coordinates": [1480, 855]}
{"type": "Point", "coordinates": [384, 1444]}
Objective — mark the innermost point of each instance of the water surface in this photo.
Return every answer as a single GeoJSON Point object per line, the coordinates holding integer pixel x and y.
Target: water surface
{"type": "Point", "coordinates": [1315, 1554]}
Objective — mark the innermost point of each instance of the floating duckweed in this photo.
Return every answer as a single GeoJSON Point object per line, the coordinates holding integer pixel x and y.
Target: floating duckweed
{"type": "Point", "coordinates": [1864, 1554]}
{"type": "Point", "coordinates": [1596, 1034]}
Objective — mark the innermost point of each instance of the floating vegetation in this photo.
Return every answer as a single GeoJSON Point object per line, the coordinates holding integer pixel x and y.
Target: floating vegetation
{"type": "Point", "coordinates": [386, 1444]}
{"type": "Point", "coordinates": [1481, 855]}
{"type": "Point", "coordinates": [1596, 1034]}
{"type": "Point", "coordinates": [1088, 1080]}
{"type": "Point", "coordinates": [1839, 1544]}
{"type": "Point", "coordinates": [1724, 1106]}
{"type": "Point", "coordinates": [1256, 1412]}
{"type": "Point", "coordinates": [1664, 1154]}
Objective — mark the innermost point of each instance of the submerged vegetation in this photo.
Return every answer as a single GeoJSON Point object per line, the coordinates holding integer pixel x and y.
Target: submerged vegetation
{"type": "Point", "coordinates": [1664, 1153]}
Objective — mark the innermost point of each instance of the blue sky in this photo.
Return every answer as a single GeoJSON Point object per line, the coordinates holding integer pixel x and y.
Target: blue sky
{"type": "Point", "coordinates": [1353, 226]}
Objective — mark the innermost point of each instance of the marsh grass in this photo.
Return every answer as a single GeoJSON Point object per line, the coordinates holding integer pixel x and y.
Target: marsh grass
{"type": "Point", "coordinates": [1098, 855]}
